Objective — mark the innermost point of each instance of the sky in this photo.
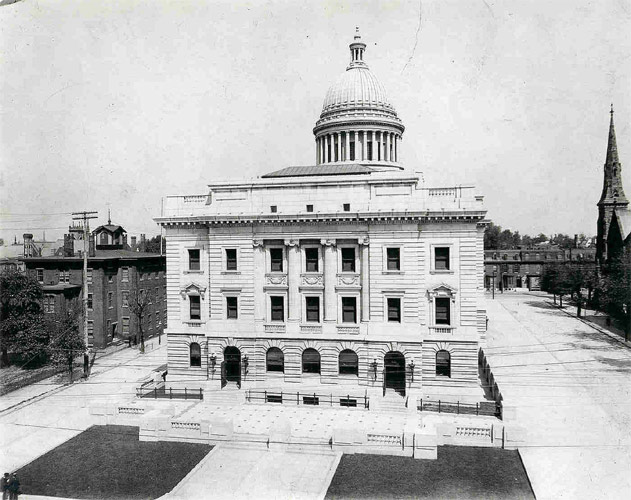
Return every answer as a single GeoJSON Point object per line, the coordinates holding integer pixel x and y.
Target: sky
{"type": "Point", "coordinates": [114, 105]}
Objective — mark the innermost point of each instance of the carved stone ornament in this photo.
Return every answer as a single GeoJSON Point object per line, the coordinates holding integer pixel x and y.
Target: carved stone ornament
{"type": "Point", "coordinates": [312, 280]}
{"type": "Point", "coordinates": [328, 242]}
{"type": "Point", "coordinates": [276, 279]}
{"type": "Point", "coordinates": [292, 243]}
{"type": "Point", "coordinates": [258, 243]}
{"type": "Point", "coordinates": [348, 279]}
{"type": "Point", "coordinates": [193, 289]}
{"type": "Point", "coordinates": [364, 240]}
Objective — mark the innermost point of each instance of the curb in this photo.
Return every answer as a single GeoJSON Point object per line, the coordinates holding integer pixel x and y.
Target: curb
{"type": "Point", "coordinates": [526, 472]}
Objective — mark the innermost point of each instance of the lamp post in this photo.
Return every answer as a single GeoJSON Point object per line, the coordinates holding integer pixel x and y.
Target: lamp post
{"type": "Point", "coordinates": [493, 284]}
{"type": "Point", "coordinates": [373, 366]}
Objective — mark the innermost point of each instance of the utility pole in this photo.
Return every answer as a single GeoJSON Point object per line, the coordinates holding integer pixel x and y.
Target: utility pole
{"type": "Point", "coordinates": [85, 217]}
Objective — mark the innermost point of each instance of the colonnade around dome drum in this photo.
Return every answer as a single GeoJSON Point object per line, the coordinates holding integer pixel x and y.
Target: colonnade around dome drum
{"type": "Point", "coordinates": [358, 145]}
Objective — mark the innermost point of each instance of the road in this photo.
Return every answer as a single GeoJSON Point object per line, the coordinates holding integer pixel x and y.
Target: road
{"type": "Point", "coordinates": [571, 387]}
{"type": "Point", "coordinates": [53, 413]}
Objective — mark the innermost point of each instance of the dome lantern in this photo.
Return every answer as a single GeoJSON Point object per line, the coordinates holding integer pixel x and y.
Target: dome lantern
{"type": "Point", "coordinates": [358, 124]}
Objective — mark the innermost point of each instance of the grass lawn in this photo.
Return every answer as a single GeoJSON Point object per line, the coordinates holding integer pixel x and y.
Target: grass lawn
{"type": "Point", "coordinates": [108, 461]}
{"type": "Point", "coordinates": [459, 472]}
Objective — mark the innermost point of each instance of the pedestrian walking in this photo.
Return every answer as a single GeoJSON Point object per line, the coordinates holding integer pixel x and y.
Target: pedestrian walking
{"type": "Point", "coordinates": [14, 487]}
{"type": "Point", "coordinates": [5, 486]}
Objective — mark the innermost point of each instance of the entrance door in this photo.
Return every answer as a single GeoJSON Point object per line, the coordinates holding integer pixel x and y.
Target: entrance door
{"type": "Point", "coordinates": [232, 360]}
{"type": "Point", "coordinates": [394, 363]}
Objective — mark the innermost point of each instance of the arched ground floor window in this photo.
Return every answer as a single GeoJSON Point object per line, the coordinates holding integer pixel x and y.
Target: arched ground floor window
{"type": "Point", "coordinates": [443, 364]}
{"type": "Point", "coordinates": [348, 362]}
{"type": "Point", "coordinates": [195, 355]}
{"type": "Point", "coordinates": [310, 361]}
{"type": "Point", "coordinates": [275, 360]}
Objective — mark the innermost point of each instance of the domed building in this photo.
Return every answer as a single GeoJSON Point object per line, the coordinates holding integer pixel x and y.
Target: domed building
{"type": "Point", "coordinates": [348, 276]}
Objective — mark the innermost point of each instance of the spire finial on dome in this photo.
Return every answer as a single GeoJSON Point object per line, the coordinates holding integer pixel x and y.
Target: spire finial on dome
{"type": "Point", "coordinates": [357, 35]}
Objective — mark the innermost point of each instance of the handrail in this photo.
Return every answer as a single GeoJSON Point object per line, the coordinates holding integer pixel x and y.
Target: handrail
{"type": "Point", "coordinates": [314, 398]}
{"type": "Point", "coordinates": [488, 408]}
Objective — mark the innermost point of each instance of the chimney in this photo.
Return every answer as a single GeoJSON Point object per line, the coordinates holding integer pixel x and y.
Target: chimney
{"type": "Point", "coordinates": [124, 241]}
{"type": "Point", "coordinates": [92, 251]}
{"type": "Point", "coordinates": [133, 243]}
{"type": "Point", "coordinates": [68, 245]}
{"type": "Point", "coordinates": [143, 243]}
{"type": "Point", "coordinates": [576, 241]}
{"type": "Point", "coordinates": [28, 244]}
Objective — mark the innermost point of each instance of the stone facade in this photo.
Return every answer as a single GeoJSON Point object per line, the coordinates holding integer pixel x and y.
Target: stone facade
{"type": "Point", "coordinates": [349, 275]}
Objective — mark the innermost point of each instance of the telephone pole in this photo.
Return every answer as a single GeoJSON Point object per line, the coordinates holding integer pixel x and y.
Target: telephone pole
{"type": "Point", "coordinates": [85, 217]}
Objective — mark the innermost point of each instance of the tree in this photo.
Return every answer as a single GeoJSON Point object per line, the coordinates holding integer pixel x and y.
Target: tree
{"type": "Point", "coordinates": [139, 305]}
{"type": "Point", "coordinates": [491, 236]}
{"type": "Point", "coordinates": [66, 337]}
{"type": "Point", "coordinates": [615, 291]}
{"type": "Point", "coordinates": [153, 245]}
{"type": "Point", "coordinates": [20, 312]}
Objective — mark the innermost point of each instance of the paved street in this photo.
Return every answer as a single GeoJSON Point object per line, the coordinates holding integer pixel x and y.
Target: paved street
{"type": "Point", "coordinates": [571, 385]}
{"type": "Point", "coordinates": [52, 414]}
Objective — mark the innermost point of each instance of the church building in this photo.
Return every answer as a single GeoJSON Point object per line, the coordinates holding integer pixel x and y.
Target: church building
{"type": "Point", "coordinates": [346, 276]}
{"type": "Point", "coordinates": [614, 215]}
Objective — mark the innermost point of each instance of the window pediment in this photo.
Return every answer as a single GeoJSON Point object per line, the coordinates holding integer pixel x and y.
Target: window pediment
{"type": "Point", "coordinates": [193, 289]}
{"type": "Point", "coordinates": [442, 290]}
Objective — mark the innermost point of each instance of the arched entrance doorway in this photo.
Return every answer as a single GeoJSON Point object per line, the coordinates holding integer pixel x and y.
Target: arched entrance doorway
{"type": "Point", "coordinates": [231, 366]}
{"type": "Point", "coordinates": [394, 372]}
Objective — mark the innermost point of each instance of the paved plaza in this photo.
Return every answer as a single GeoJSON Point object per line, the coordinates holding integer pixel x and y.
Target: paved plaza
{"type": "Point", "coordinates": [571, 387]}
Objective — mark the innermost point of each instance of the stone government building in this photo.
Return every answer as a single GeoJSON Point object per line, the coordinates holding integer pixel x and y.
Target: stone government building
{"type": "Point", "coordinates": [346, 276]}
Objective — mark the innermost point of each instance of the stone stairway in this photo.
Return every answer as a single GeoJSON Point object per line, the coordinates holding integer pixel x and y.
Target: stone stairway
{"type": "Point", "coordinates": [226, 397]}
{"type": "Point", "coordinates": [392, 402]}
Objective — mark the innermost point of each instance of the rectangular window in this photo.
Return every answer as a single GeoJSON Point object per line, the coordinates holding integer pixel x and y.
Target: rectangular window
{"type": "Point", "coordinates": [278, 308]}
{"type": "Point", "coordinates": [149, 321]}
{"type": "Point", "coordinates": [352, 151]}
{"type": "Point", "coordinates": [394, 310]}
{"type": "Point", "coordinates": [125, 298]}
{"type": "Point", "coordinates": [231, 259]}
{"type": "Point", "coordinates": [110, 299]}
{"type": "Point", "coordinates": [232, 311]}
{"type": "Point", "coordinates": [441, 258]}
{"type": "Point", "coordinates": [347, 207]}
{"type": "Point", "coordinates": [348, 260]}
{"type": "Point", "coordinates": [49, 303]}
{"type": "Point", "coordinates": [369, 150]}
{"type": "Point", "coordinates": [349, 310]}
{"type": "Point", "coordinates": [309, 208]}
{"type": "Point", "coordinates": [90, 302]}
{"type": "Point", "coordinates": [165, 318]}
{"type": "Point", "coordinates": [125, 325]}
{"type": "Point", "coordinates": [443, 315]}
{"type": "Point", "coordinates": [312, 309]}
{"type": "Point", "coordinates": [195, 307]}
{"type": "Point", "coordinates": [311, 260]}
{"type": "Point", "coordinates": [91, 328]}
{"type": "Point", "coordinates": [40, 276]}
{"type": "Point", "coordinates": [273, 209]}
{"type": "Point", "coordinates": [89, 276]}
{"type": "Point", "coordinates": [110, 279]}
{"type": "Point", "coordinates": [394, 259]}
{"type": "Point", "coordinates": [157, 320]}
{"type": "Point", "coordinates": [276, 259]}
{"type": "Point", "coordinates": [125, 274]}
{"type": "Point", "coordinates": [193, 260]}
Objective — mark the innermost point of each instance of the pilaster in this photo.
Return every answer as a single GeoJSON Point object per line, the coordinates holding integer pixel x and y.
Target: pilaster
{"type": "Point", "coordinates": [293, 279]}
{"type": "Point", "coordinates": [365, 278]}
{"type": "Point", "coordinates": [330, 270]}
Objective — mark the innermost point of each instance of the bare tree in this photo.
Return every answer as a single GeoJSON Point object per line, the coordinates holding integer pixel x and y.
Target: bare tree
{"type": "Point", "coordinates": [139, 305]}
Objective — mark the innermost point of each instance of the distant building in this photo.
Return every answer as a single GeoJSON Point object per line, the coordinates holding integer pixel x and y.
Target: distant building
{"type": "Point", "coordinates": [115, 275]}
{"type": "Point", "coordinates": [614, 215]}
{"type": "Point", "coordinates": [523, 268]}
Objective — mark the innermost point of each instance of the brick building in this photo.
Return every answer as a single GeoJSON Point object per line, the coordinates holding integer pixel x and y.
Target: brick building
{"type": "Point", "coordinates": [523, 268]}
{"type": "Point", "coordinates": [115, 275]}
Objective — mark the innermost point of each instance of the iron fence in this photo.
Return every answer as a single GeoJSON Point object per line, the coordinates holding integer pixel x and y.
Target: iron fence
{"type": "Point", "coordinates": [487, 408]}
{"type": "Point", "coordinates": [308, 399]}
{"type": "Point", "coordinates": [161, 392]}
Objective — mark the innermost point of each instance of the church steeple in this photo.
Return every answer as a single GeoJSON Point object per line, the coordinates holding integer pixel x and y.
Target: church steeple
{"type": "Point", "coordinates": [613, 192]}
{"type": "Point", "coordinates": [612, 198]}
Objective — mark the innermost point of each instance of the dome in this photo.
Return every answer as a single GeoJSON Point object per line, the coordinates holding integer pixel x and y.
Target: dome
{"type": "Point", "coordinates": [358, 123]}
{"type": "Point", "coordinates": [356, 87]}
